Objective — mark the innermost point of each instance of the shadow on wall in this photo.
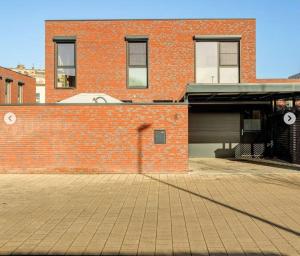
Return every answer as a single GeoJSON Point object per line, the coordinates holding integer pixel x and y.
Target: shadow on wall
{"type": "Point", "coordinates": [140, 130]}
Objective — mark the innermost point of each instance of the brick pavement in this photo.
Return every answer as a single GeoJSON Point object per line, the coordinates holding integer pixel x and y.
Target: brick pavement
{"type": "Point", "coordinates": [219, 208]}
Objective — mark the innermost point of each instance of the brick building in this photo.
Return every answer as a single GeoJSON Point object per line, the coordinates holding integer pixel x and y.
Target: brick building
{"type": "Point", "coordinates": [102, 49]}
{"type": "Point", "coordinates": [159, 61]}
{"type": "Point", "coordinates": [39, 75]}
{"type": "Point", "coordinates": [16, 88]}
{"type": "Point", "coordinates": [185, 87]}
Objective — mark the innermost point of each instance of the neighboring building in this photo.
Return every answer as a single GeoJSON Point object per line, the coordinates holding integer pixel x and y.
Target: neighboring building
{"type": "Point", "coordinates": [16, 88]}
{"type": "Point", "coordinates": [39, 75]}
{"type": "Point", "coordinates": [40, 93]}
{"type": "Point", "coordinates": [296, 76]}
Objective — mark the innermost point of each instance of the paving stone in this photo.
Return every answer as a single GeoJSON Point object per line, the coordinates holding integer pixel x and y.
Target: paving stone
{"type": "Point", "coordinates": [221, 207]}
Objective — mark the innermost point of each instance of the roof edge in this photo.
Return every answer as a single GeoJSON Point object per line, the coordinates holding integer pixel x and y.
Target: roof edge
{"type": "Point", "coordinates": [146, 19]}
{"type": "Point", "coordinates": [17, 72]}
{"type": "Point", "coordinates": [243, 87]}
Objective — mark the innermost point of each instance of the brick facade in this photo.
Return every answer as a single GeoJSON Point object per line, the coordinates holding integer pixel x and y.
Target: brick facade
{"type": "Point", "coordinates": [101, 55]}
{"type": "Point", "coordinates": [28, 87]}
{"type": "Point", "coordinates": [94, 139]}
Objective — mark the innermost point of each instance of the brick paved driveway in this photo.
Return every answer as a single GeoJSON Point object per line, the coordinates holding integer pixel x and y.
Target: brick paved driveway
{"type": "Point", "coordinates": [219, 208]}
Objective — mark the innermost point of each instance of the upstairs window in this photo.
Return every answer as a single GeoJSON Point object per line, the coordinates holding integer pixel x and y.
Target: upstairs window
{"type": "Point", "coordinates": [65, 63]}
{"type": "Point", "coordinates": [137, 63]}
{"type": "Point", "coordinates": [7, 91]}
{"type": "Point", "coordinates": [20, 93]}
{"type": "Point", "coordinates": [217, 62]}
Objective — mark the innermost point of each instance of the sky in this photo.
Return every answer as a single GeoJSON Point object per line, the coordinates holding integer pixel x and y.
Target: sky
{"type": "Point", "coordinates": [277, 25]}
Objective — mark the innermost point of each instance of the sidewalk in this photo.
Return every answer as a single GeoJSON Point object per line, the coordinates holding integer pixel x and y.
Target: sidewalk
{"type": "Point", "coordinates": [184, 214]}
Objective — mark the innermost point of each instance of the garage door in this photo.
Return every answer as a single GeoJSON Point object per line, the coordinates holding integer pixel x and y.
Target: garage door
{"type": "Point", "coordinates": [213, 134]}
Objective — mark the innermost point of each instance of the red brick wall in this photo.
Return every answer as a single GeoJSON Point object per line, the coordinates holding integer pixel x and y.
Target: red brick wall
{"type": "Point", "coordinates": [93, 139]}
{"type": "Point", "coordinates": [28, 88]}
{"type": "Point", "coordinates": [101, 55]}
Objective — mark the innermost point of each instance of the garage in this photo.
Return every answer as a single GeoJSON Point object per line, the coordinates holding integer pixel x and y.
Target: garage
{"type": "Point", "coordinates": [240, 120]}
{"type": "Point", "coordinates": [213, 134]}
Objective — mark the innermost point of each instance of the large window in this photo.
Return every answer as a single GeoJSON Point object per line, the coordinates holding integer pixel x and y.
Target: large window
{"type": "Point", "coordinates": [137, 64]}
{"type": "Point", "coordinates": [20, 93]}
{"type": "Point", "coordinates": [217, 62]}
{"type": "Point", "coordinates": [8, 91]}
{"type": "Point", "coordinates": [65, 64]}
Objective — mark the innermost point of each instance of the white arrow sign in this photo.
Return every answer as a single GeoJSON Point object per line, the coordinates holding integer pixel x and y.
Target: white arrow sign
{"type": "Point", "coordinates": [289, 118]}
{"type": "Point", "coordinates": [10, 118]}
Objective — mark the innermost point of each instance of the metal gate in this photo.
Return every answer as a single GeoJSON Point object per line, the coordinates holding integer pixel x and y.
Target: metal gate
{"type": "Point", "coordinates": [286, 138]}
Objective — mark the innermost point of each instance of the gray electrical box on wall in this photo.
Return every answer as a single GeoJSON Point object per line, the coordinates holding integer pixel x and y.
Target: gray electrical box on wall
{"type": "Point", "coordinates": [159, 136]}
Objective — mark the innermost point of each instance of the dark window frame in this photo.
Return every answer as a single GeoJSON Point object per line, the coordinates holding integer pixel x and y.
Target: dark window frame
{"type": "Point", "coordinates": [219, 41]}
{"type": "Point", "coordinates": [64, 40]}
{"type": "Point", "coordinates": [136, 39]}
{"type": "Point", "coordinates": [220, 53]}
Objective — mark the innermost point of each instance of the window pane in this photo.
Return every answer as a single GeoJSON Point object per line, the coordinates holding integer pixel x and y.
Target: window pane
{"type": "Point", "coordinates": [7, 93]}
{"type": "Point", "coordinates": [229, 75]}
{"type": "Point", "coordinates": [65, 56]}
{"type": "Point", "coordinates": [65, 77]}
{"type": "Point", "coordinates": [137, 77]}
{"type": "Point", "coordinates": [37, 97]}
{"type": "Point", "coordinates": [137, 48]}
{"type": "Point", "coordinates": [229, 59]}
{"type": "Point", "coordinates": [252, 124]}
{"type": "Point", "coordinates": [137, 54]}
{"type": "Point", "coordinates": [20, 94]}
{"type": "Point", "coordinates": [256, 114]}
{"type": "Point", "coordinates": [207, 62]}
{"type": "Point", "coordinates": [137, 60]}
{"type": "Point", "coordinates": [229, 47]}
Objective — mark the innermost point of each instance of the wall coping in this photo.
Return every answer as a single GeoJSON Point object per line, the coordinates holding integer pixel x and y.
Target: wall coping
{"type": "Point", "coordinates": [95, 104]}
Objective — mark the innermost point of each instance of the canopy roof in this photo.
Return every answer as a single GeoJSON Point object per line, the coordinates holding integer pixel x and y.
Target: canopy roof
{"type": "Point", "coordinates": [242, 91]}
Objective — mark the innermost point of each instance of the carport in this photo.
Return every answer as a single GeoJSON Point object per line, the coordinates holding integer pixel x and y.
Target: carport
{"type": "Point", "coordinates": [242, 120]}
